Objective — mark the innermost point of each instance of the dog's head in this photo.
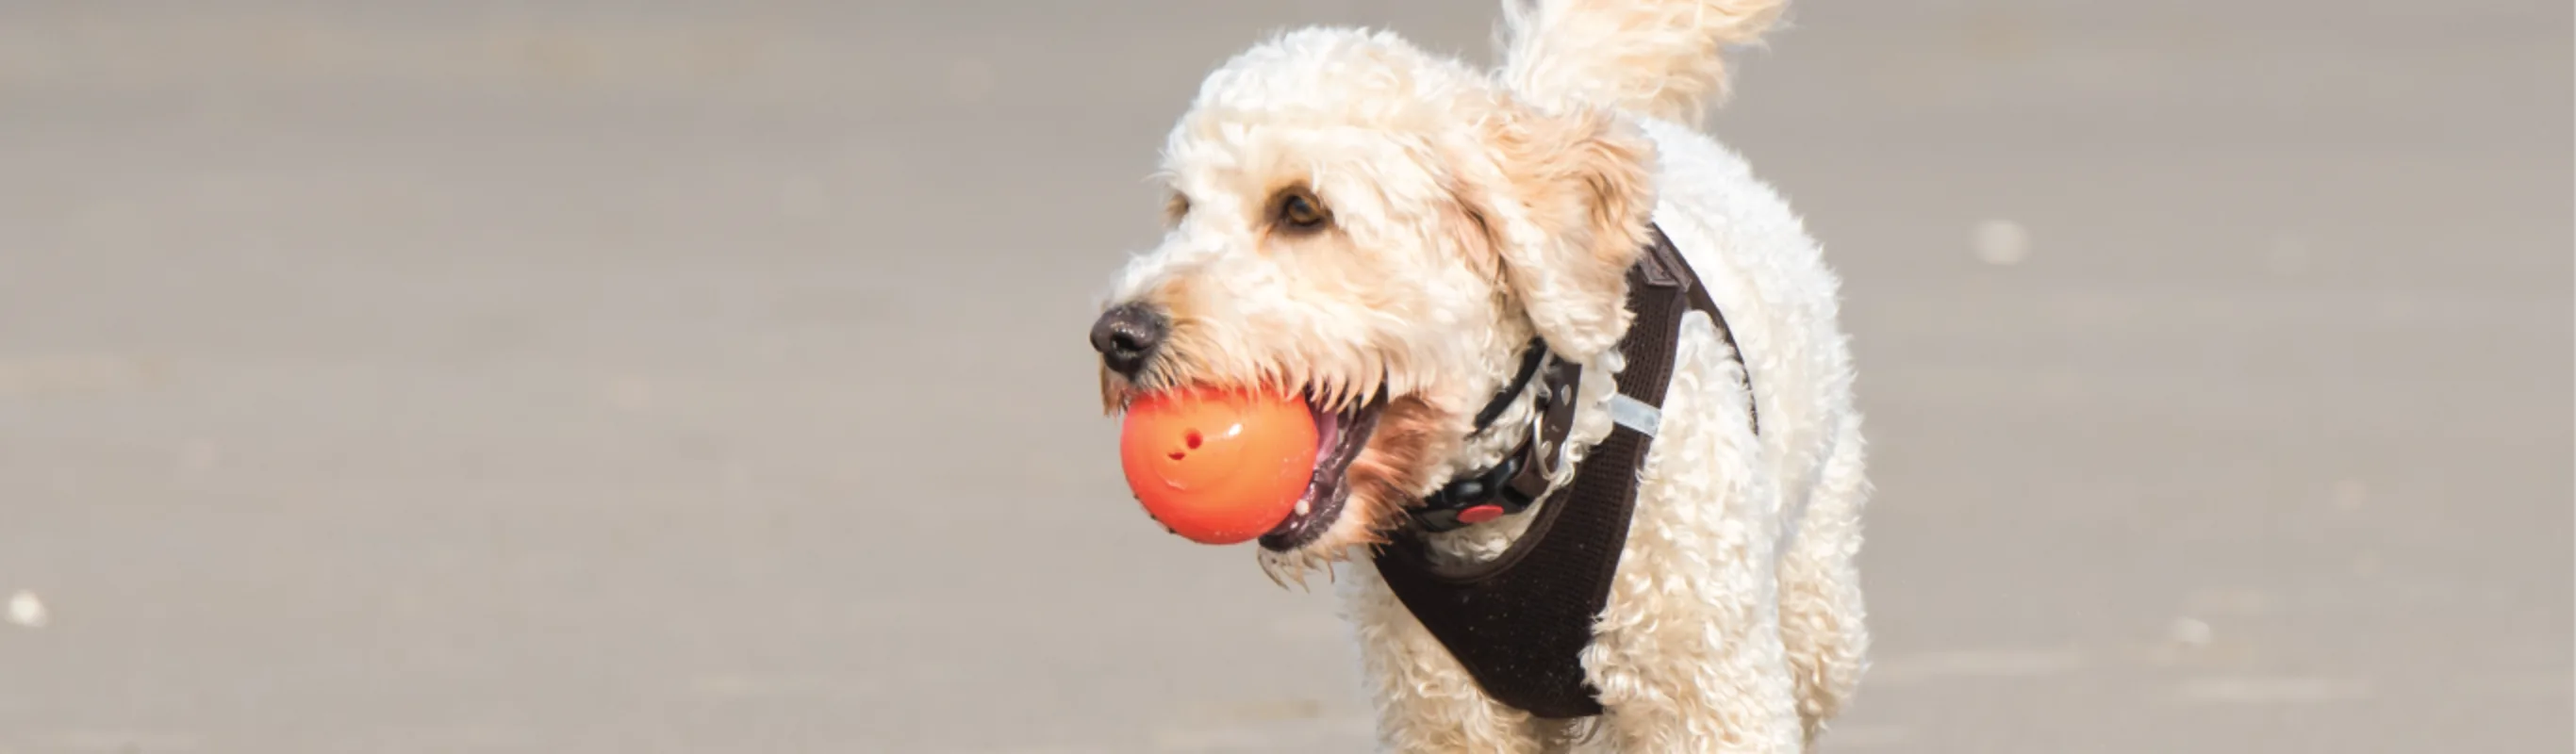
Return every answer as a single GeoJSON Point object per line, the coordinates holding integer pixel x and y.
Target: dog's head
{"type": "Point", "coordinates": [1384, 231]}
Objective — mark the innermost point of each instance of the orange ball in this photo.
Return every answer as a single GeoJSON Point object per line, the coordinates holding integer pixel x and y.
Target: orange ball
{"type": "Point", "coordinates": [1218, 466]}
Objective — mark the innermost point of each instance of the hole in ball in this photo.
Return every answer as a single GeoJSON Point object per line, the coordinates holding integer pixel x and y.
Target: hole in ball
{"type": "Point", "coordinates": [1193, 439]}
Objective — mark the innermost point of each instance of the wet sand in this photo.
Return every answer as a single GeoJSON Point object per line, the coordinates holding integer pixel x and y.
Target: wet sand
{"type": "Point", "coordinates": [445, 377]}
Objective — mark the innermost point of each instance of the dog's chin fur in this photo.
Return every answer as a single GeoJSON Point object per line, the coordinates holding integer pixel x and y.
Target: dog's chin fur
{"type": "Point", "coordinates": [1395, 469]}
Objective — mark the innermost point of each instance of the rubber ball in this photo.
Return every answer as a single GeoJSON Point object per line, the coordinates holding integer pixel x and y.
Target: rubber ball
{"type": "Point", "coordinates": [1218, 466]}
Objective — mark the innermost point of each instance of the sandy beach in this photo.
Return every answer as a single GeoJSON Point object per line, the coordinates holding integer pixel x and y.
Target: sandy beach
{"type": "Point", "coordinates": [618, 378]}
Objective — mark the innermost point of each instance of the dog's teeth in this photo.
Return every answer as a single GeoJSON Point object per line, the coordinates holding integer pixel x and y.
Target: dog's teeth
{"type": "Point", "coordinates": [1304, 507]}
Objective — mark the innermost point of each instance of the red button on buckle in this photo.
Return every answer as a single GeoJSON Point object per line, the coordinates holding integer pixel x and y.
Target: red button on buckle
{"type": "Point", "coordinates": [1480, 514]}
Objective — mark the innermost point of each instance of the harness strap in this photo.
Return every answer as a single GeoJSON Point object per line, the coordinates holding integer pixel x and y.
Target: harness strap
{"type": "Point", "coordinates": [1531, 356]}
{"type": "Point", "coordinates": [1519, 622]}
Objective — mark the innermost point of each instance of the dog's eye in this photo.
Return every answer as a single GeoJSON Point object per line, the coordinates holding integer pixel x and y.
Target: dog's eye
{"type": "Point", "coordinates": [1299, 211]}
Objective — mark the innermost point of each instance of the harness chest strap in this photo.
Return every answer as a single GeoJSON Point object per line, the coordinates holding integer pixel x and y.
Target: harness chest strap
{"type": "Point", "coordinates": [1519, 622]}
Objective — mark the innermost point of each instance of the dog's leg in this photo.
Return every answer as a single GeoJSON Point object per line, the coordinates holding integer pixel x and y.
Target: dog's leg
{"type": "Point", "coordinates": [1821, 613]}
{"type": "Point", "coordinates": [1426, 702]}
{"type": "Point", "coordinates": [1688, 656]}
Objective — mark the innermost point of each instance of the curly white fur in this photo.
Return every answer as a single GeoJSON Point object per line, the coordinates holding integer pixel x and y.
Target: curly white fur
{"type": "Point", "coordinates": [1468, 211]}
{"type": "Point", "coordinates": [1657, 59]}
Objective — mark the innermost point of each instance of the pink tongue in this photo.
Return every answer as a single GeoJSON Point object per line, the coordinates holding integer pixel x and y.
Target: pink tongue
{"type": "Point", "coordinates": [1328, 432]}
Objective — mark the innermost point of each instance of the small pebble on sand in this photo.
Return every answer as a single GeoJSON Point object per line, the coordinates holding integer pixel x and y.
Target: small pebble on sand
{"type": "Point", "coordinates": [2001, 242]}
{"type": "Point", "coordinates": [26, 610]}
{"type": "Point", "coordinates": [2191, 633]}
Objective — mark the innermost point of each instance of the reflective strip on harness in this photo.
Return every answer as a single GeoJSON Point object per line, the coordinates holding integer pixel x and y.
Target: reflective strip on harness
{"type": "Point", "coordinates": [1635, 414]}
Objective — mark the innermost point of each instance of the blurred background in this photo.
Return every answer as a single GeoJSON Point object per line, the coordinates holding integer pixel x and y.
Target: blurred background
{"type": "Point", "coordinates": [667, 376]}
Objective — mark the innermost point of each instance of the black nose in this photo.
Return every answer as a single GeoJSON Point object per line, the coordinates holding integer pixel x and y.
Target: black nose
{"type": "Point", "coordinates": [1127, 335]}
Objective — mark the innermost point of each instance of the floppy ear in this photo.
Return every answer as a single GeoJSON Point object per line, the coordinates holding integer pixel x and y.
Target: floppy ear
{"type": "Point", "coordinates": [1566, 202]}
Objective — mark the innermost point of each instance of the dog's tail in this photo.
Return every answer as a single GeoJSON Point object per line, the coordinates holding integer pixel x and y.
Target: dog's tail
{"type": "Point", "coordinates": [1658, 58]}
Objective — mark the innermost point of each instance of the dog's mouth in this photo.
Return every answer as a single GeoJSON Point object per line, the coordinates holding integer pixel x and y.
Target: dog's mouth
{"type": "Point", "coordinates": [1339, 438]}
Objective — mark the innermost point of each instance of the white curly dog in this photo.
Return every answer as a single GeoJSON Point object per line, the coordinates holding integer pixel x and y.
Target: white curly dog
{"type": "Point", "coordinates": [1386, 229]}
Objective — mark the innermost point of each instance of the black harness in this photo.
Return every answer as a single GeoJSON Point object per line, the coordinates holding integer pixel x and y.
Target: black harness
{"type": "Point", "coordinates": [1519, 622]}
